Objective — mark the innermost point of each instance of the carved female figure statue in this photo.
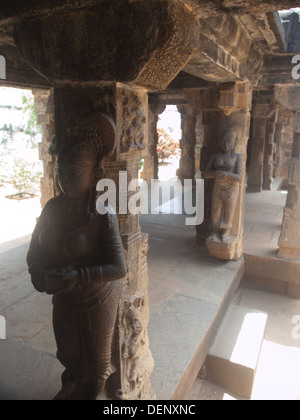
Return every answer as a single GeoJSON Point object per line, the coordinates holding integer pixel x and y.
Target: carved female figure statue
{"type": "Point", "coordinates": [77, 256]}
{"type": "Point", "coordinates": [226, 168]}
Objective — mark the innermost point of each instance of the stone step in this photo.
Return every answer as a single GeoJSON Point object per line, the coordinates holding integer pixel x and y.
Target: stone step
{"type": "Point", "coordinates": [233, 358]}
{"type": "Point", "coordinates": [273, 275]}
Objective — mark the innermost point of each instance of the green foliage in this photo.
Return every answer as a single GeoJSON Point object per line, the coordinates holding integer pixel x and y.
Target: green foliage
{"type": "Point", "coordinates": [32, 129]}
{"type": "Point", "coordinates": [18, 148]}
{"type": "Point", "coordinates": [24, 176]}
{"type": "Point", "coordinates": [3, 169]}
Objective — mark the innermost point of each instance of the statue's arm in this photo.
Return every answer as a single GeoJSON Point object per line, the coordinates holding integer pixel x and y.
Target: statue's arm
{"type": "Point", "coordinates": [237, 175]}
{"type": "Point", "coordinates": [210, 172]}
{"type": "Point", "coordinates": [35, 255]}
{"type": "Point", "coordinates": [114, 267]}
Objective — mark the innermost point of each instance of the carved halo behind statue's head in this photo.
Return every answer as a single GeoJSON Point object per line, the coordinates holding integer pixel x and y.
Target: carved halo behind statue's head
{"type": "Point", "coordinates": [92, 139]}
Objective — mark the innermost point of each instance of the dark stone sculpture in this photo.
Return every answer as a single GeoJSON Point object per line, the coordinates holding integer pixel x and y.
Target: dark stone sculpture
{"type": "Point", "coordinates": [77, 256]}
{"type": "Point", "coordinates": [226, 168]}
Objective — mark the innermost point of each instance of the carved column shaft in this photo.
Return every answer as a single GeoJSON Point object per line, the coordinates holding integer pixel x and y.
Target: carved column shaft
{"type": "Point", "coordinates": [150, 170]}
{"type": "Point", "coordinates": [262, 142]}
{"type": "Point", "coordinates": [284, 139]}
{"type": "Point", "coordinates": [199, 145]}
{"type": "Point", "coordinates": [289, 241]}
{"type": "Point", "coordinates": [128, 108]}
{"type": "Point", "coordinates": [269, 151]}
{"type": "Point", "coordinates": [255, 178]}
{"type": "Point", "coordinates": [239, 115]}
{"type": "Point", "coordinates": [188, 142]}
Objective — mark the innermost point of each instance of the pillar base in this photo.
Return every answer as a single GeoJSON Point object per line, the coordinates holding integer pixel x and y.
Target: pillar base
{"type": "Point", "coordinates": [229, 251]}
{"type": "Point", "coordinates": [289, 250]}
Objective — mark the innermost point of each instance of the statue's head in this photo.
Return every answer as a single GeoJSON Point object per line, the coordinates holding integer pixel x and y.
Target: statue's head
{"type": "Point", "coordinates": [79, 160]}
{"type": "Point", "coordinates": [230, 139]}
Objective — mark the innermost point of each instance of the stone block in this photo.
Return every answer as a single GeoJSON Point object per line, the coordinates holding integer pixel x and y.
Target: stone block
{"type": "Point", "coordinates": [225, 251]}
{"type": "Point", "coordinates": [233, 357]}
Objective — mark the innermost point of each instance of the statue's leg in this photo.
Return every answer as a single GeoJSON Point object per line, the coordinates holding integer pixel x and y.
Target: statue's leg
{"type": "Point", "coordinates": [228, 215]}
{"type": "Point", "coordinates": [104, 323]}
{"type": "Point", "coordinates": [69, 337]}
{"type": "Point", "coordinates": [216, 216]}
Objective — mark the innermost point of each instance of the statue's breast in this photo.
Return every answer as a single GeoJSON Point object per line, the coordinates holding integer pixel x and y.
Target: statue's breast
{"type": "Point", "coordinates": [222, 164]}
{"type": "Point", "coordinates": [69, 244]}
{"type": "Point", "coordinates": [80, 243]}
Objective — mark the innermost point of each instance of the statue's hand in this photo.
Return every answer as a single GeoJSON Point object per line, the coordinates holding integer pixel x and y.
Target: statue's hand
{"type": "Point", "coordinates": [60, 281]}
{"type": "Point", "coordinates": [221, 175]}
{"type": "Point", "coordinates": [209, 175]}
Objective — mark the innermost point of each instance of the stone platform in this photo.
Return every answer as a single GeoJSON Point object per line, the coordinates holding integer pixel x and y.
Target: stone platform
{"type": "Point", "coordinates": [189, 294]}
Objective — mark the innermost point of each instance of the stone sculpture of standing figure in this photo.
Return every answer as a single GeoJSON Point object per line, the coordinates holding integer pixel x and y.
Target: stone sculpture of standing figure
{"type": "Point", "coordinates": [77, 256]}
{"type": "Point", "coordinates": [226, 167]}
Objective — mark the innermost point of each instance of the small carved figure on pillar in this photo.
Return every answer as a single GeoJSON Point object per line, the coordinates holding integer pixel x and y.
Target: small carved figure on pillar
{"type": "Point", "coordinates": [226, 168]}
{"type": "Point", "coordinates": [77, 256]}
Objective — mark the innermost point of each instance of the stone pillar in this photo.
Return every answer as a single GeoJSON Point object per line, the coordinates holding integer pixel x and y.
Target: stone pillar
{"type": "Point", "coordinates": [237, 112]}
{"type": "Point", "coordinates": [44, 107]}
{"type": "Point", "coordinates": [255, 177]}
{"type": "Point", "coordinates": [102, 57]}
{"type": "Point", "coordinates": [124, 105]}
{"type": "Point", "coordinates": [199, 145]}
{"type": "Point", "coordinates": [264, 118]}
{"type": "Point", "coordinates": [187, 143]}
{"type": "Point", "coordinates": [289, 242]}
{"type": "Point", "coordinates": [150, 170]}
{"type": "Point", "coordinates": [270, 150]}
{"type": "Point", "coordinates": [284, 138]}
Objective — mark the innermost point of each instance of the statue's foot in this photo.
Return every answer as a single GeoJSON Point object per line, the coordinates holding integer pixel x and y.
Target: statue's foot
{"type": "Point", "coordinates": [225, 238]}
{"type": "Point", "coordinates": [214, 237]}
{"type": "Point", "coordinates": [101, 396]}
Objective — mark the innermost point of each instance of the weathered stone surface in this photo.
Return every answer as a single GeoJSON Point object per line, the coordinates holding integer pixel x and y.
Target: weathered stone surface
{"type": "Point", "coordinates": [226, 242]}
{"type": "Point", "coordinates": [288, 96]}
{"type": "Point", "coordinates": [289, 241]}
{"type": "Point", "coordinates": [262, 159]}
{"type": "Point", "coordinates": [18, 72]}
{"type": "Point", "coordinates": [158, 44]}
{"type": "Point", "coordinates": [276, 69]}
{"type": "Point", "coordinates": [247, 6]}
{"type": "Point", "coordinates": [226, 52]}
{"type": "Point", "coordinates": [134, 357]}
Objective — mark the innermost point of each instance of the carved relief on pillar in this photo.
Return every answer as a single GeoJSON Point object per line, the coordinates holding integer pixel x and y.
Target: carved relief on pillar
{"type": "Point", "coordinates": [138, 361]}
{"type": "Point", "coordinates": [227, 167]}
{"type": "Point", "coordinates": [135, 356]}
{"type": "Point", "coordinates": [134, 122]}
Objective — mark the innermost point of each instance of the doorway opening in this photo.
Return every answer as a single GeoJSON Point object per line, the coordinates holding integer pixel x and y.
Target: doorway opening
{"type": "Point", "coordinates": [168, 147]}
{"type": "Point", "coordinates": [20, 167]}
